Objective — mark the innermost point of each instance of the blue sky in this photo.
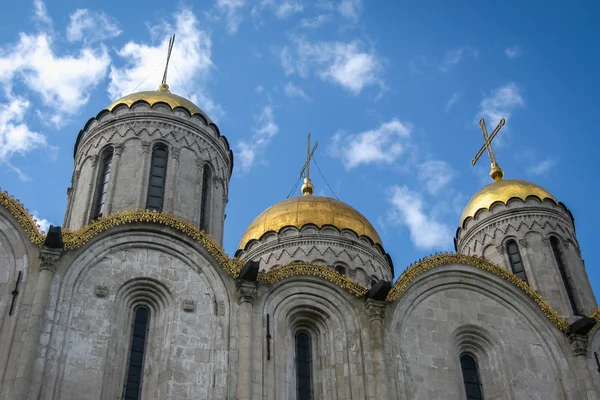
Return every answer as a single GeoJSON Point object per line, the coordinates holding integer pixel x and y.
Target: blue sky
{"type": "Point", "coordinates": [405, 80]}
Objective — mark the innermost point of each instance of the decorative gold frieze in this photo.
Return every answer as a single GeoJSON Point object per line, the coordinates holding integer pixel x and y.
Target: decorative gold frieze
{"type": "Point", "coordinates": [23, 217]}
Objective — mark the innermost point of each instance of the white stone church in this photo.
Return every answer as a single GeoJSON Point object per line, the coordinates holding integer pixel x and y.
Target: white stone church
{"type": "Point", "coordinates": [134, 298]}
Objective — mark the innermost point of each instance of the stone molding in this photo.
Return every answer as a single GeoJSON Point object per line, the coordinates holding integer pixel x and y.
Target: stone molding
{"type": "Point", "coordinates": [118, 149]}
{"type": "Point", "coordinates": [579, 344]}
{"type": "Point", "coordinates": [101, 291]}
{"type": "Point", "coordinates": [375, 309]}
{"type": "Point", "coordinates": [246, 291]}
{"type": "Point", "coordinates": [146, 147]}
{"type": "Point", "coordinates": [523, 243]}
{"type": "Point", "coordinates": [49, 258]}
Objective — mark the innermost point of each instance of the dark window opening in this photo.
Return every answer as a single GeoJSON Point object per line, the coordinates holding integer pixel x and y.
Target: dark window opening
{"type": "Point", "coordinates": [158, 174]}
{"type": "Point", "coordinates": [563, 273]}
{"type": "Point", "coordinates": [340, 270]}
{"type": "Point", "coordinates": [303, 366]}
{"type": "Point", "coordinates": [205, 200]}
{"type": "Point", "coordinates": [470, 374]}
{"type": "Point", "coordinates": [516, 262]}
{"type": "Point", "coordinates": [102, 186]}
{"type": "Point", "coordinates": [133, 384]}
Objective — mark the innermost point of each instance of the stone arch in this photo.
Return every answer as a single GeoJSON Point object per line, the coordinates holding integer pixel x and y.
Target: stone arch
{"type": "Point", "coordinates": [170, 271]}
{"type": "Point", "coordinates": [440, 301]}
{"type": "Point", "coordinates": [319, 307]}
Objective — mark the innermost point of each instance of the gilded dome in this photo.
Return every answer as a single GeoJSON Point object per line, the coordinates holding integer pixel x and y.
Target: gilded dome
{"type": "Point", "coordinates": [503, 190]}
{"type": "Point", "coordinates": [302, 210]}
{"type": "Point", "coordinates": [162, 95]}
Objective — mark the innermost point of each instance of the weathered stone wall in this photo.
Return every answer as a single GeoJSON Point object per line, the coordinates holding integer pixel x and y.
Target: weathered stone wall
{"type": "Point", "coordinates": [132, 133]}
{"type": "Point", "coordinates": [531, 224]}
{"type": "Point", "coordinates": [91, 309]}
{"type": "Point", "coordinates": [362, 260]}
{"type": "Point", "coordinates": [457, 309]}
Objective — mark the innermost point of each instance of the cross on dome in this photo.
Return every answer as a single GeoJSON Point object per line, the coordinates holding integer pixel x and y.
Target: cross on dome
{"type": "Point", "coordinates": [496, 172]}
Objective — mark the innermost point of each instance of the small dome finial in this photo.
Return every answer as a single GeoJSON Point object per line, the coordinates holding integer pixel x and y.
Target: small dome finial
{"type": "Point", "coordinates": [307, 187]}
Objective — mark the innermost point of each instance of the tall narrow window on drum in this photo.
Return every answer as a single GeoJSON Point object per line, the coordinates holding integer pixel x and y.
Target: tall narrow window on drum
{"type": "Point", "coordinates": [135, 369]}
{"type": "Point", "coordinates": [158, 174]}
{"type": "Point", "coordinates": [205, 200]}
{"type": "Point", "coordinates": [562, 269]}
{"type": "Point", "coordinates": [516, 262]}
{"type": "Point", "coordinates": [102, 185]}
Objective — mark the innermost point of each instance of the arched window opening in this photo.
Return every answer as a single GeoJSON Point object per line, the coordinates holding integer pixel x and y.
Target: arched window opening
{"type": "Point", "coordinates": [135, 369]}
{"type": "Point", "coordinates": [563, 273]}
{"type": "Point", "coordinates": [470, 374]}
{"type": "Point", "coordinates": [205, 201]}
{"type": "Point", "coordinates": [102, 186]}
{"type": "Point", "coordinates": [340, 270]}
{"type": "Point", "coordinates": [158, 174]}
{"type": "Point", "coordinates": [303, 366]}
{"type": "Point", "coordinates": [516, 262]}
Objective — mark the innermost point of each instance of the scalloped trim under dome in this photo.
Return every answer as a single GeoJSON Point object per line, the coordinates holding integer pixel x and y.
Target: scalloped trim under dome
{"type": "Point", "coordinates": [502, 191]}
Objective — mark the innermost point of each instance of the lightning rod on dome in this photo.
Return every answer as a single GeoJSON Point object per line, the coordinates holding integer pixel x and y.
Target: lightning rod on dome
{"type": "Point", "coordinates": [496, 173]}
{"type": "Point", "coordinates": [163, 86]}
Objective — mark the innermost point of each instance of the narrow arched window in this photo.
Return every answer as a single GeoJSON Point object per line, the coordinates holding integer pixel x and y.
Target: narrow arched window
{"type": "Point", "coordinates": [158, 174]}
{"type": "Point", "coordinates": [516, 262]}
{"type": "Point", "coordinates": [205, 198]}
{"type": "Point", "coordinates": [470, 374]}
{"type": "Point", "coordinates": [303, 366]}
{"type": "Point", "coordinates": [102, 186]}
{"type": "Point", "coordinates": [340, 270]}
{"type": "Point", "coordinates": [563, 273]}
{"type": "Point", "coordinates": [135, 369]}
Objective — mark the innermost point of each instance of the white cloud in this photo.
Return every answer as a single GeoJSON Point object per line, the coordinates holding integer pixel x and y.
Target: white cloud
{"type": "Point", "coordinates": [259, 89]}
{"type": "Point", "coordinates": [541, 168]}
{"type": "Point", "coordinates": [513, 52]}
{"type": "Point", "coordinates": [436, 175]}
{"type": "Point", "coordinates": [426, 232]}
{"type": "Point", "coordinates": [43, 223]}
{"type": "Point", "coordinates": [292, 90]}
{"type": "Point", "coordinates": [455, 97]}
{"type": "Point", "coordinates": [91, 26]}
{"type": "Point", "coordinates": [315, 22]}
{"type": "Point", "coordinates": [15, 135]}
{"type": "Point", "coordinates": [346, 64]}
{"type": "Point", "coordinates": [265, 129]}
{"type": "Point", "coordinates": [40, 12]}
{"type": "Point", "coordinates": [190, 60]}
{"type": "Point", "coordinates": [500, 103]}
{"type": "Point", "coordinates": [455, 56]}
{"type": "Point", "coordinates": [63, 82]}
{"type": "Point", "coordinates": [232, 10]}
{"type": "Point", "coordinates": [377, 146]}
{"type": "Point", "coordinates": [350, 9]}
{"type": "Point", "coordinates": [287, 7]}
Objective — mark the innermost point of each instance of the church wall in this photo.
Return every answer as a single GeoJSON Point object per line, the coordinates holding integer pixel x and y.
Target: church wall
{"type": "Point", "coordinates": [460, 309]}
{"type": "Point", "coordinates": [129, 176]}
{"type": "Point", "coordinates": [593, 357]}
{"type": "Point", "coordinates": [187, 354]}
{"type": "Point", "coordinates": [342, 363]}
{"type": "Point", "coordinates": [531, 224]}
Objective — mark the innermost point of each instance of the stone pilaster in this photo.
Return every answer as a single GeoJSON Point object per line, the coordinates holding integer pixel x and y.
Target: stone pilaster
{"type": "Point", "coordinates": [376, 312]}
{"type": "Point", "coordinates": [246, 292]}
{"type": "Point", "coordinates": [48, 262]}
{"type": "Point", "coordinates": [90, 190]}
{"type": "Point", "coordinates": [143, 193]}
{"type": "Point", "coordinates": [116, 162]}
{"type": "Point", "coordinates": [579, 344]}
{"type": "Point", "coordinates": [171, 183]}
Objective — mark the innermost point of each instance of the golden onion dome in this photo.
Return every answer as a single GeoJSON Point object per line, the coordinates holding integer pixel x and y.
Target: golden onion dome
{"type": "Point", "coordinates": [503, 190]}
{"type": "Point", "coordinates": [302, 210]}
{"type": "Point", "coordinates": [162, 95]}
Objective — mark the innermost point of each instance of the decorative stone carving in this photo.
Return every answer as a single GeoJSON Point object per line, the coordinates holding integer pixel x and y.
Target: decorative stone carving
{"type": "Point", "coordinates": [500, 249]}
{"type": "Point", "coordinates": [375, 309]}
{"type": "Point", "coordinates": [352, 274]}
{"type": "Point", "coordinates": [49, 258]}
{"type": "Point", "coordinates": [118, 149]}
{"type": "Point", "coordinates": [94, 160]}
{"type": "Point", "coordinates": [175, 153]}
{"type": "Point", "coordinates": [546, 241]}
{"type": "Point", "coordinates": [145, 147]}
{"type": "Point", "coordinates": [200, 164]}
{"type": "Point", "coordinates": [101, 291]}
{"type": "Point", "coordinates": [220, 308]}
{"type": "Point", "coordinates": [523, 242]}
{"type": "Point", "coordinates": [578, 344]}
{"type": "Point", "coordinates": [189, 305]}
{"type": "Point", "coordinates": [246, 291]}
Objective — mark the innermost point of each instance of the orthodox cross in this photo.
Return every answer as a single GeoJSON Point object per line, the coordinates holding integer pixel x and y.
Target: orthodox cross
{"type": "Point", "coordinates": [307, 187]}
{"type": "Point", "coordinates": [164, 79]}
{"type": "Point", "coordinates": [15, 293]}
{"type": "Point", "coordinates": [496, 173]}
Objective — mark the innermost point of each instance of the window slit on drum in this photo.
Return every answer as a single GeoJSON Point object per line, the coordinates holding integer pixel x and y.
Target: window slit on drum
{"type": "Point", "coordinates": [516, 262]}
{"type": "Point", "coordinates": [470, 374]}
{"type": "Point", "coordinates": [102, 187]}
{"type": "Point", "coordinates": [303, 366]}
{"type": "Point", "coordinates": [158, 173]}
{"type": "Point", "coordinates": [563, 273]}
{"type": "Point", "coordinates": [135, 369]}
{"type": "Point", "coordinates": [205, 198]}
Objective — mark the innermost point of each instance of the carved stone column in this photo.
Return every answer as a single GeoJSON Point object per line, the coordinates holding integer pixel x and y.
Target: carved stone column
{"type": "Point", "coordinates": [246, 294]}
{"type": "Point", "coordinates": [48, 261]}
{"type": "Point", "coordinates": [171, 184]}
{"type": "Point", "coordinates": [143, 193]}
{"type": "Point", "coordinates": [376, 312]}
{"type": "Point", "coordinates": [90, 191]}
{"type": "Point", "coordinates": [116, 162]}
{"type": "Point", "coordinates": [579, 344]}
